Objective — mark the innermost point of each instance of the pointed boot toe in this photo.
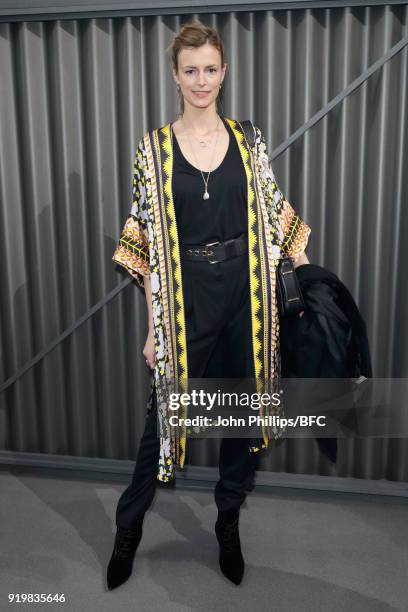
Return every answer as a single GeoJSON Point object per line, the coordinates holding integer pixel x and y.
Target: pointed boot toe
{"type": "Point", "coordinates": [121, 562]}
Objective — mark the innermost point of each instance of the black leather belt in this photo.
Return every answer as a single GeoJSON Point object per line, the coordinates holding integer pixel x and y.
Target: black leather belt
{"type": "Point", "coordinates": [214, 252]}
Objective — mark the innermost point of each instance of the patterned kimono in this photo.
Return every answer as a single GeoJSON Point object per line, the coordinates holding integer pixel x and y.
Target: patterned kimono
{"type": "Point", "coordinates": [149, 246]}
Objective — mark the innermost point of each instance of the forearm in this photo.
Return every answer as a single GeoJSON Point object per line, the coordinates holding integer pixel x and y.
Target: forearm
{"type": "Point", "coordinates": [148, 292]}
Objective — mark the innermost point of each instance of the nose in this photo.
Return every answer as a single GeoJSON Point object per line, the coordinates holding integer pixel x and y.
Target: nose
{"type": "Point", "coordinates": [201, 79]}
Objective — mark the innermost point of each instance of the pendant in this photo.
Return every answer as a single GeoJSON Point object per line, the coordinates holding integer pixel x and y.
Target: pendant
{"type": "Point", "coordinates": [206, 195]}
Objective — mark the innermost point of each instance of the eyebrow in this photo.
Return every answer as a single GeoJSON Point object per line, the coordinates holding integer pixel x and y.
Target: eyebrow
{"type": "Point", "coordinates": [209, 66]}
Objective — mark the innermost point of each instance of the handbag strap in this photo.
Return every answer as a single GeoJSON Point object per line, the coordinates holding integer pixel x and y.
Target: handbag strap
{"type": "Point", "coordinates": [290, 297]}
{"type": "Point", "coordinates": [249, 131]}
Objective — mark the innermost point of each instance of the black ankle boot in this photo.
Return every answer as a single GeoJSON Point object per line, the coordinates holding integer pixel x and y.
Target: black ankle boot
{"type": "Point", "coordinates": [231, 560]}
{"type": "Point", "coordinates": [121, 561]}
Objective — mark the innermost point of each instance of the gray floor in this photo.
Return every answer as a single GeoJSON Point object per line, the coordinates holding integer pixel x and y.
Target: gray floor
{"type": "Point", "coordinates": [304, 551]}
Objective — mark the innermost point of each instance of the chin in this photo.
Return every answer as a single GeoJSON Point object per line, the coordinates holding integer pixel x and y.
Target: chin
{"type": "Point", "coordinates": [201, 103]}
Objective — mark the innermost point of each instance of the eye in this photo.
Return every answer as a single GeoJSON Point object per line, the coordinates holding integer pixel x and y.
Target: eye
{"type": "Point", "coordinates": [189, 71]}
{"type": "Point", "coordinates": [213, 70]}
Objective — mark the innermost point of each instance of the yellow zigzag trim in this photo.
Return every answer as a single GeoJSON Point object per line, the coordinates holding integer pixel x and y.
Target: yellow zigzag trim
{"type": "Point", "coordinates": [181, 344]}
{"type": "Point", "coordinates": [168, 169]}
{"type": "Point", "coordinates": [252, 242]}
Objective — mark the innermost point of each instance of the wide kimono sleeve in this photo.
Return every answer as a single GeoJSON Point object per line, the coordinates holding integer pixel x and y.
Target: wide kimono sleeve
{"type": "Point", "coordinates": [293, 232]}
{"type": "Point", "coordinates": [132, 250]}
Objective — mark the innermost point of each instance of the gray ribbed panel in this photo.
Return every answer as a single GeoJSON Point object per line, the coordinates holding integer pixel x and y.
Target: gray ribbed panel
{"type": "Point", "coordinates": [25, 10]}
{"type": "Point", "coordinates": [76, 96]}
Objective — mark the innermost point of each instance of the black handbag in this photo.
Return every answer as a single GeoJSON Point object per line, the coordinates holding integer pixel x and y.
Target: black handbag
{"type": "Point", "coordinates": [288, 293]}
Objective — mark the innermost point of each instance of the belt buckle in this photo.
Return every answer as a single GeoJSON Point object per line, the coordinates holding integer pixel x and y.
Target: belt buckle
{"type": "Point", "coordinates": [207, 252]}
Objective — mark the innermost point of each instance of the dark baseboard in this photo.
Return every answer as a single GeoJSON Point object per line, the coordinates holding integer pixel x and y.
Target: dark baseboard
{"type": "Point", "coordinates": [114, 470]}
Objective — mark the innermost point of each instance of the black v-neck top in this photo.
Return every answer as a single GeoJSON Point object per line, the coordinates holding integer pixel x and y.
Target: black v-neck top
{"type": "Point", "coordinates": [225, 214]}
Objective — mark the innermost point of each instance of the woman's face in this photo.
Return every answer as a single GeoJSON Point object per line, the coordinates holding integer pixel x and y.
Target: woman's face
{"type": "Point", "coordinates": [200, 75]}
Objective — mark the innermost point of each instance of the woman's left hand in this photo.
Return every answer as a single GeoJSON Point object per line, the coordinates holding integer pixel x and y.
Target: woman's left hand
{"type": "Point", "coordinates": [302, 259]}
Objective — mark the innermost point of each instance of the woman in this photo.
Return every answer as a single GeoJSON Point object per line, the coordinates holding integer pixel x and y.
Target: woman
{"type": "Point", "coordinates": [206, 231]}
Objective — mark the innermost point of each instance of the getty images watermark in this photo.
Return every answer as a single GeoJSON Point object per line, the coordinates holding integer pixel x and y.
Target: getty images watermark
{"type": "Point", "coordinates": [231, 400]}
{"type": "Point", "coordinates": [299, 408]}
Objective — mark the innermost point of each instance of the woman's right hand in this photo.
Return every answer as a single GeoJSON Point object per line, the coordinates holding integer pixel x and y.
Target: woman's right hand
{"type": "Point", "coordinates": [148, 351]}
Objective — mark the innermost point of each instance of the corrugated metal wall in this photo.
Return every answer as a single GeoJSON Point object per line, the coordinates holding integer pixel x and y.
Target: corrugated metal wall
{"type": "Point", "coordinates": [76, 96]}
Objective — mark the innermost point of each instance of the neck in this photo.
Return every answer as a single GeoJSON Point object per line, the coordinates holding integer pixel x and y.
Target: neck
{"type": "Point", "coordinates": [200, 120]}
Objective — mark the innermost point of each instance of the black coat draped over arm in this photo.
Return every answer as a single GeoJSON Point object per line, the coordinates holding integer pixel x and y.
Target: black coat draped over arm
{"type": "Point", "coordinates": [329, 340]}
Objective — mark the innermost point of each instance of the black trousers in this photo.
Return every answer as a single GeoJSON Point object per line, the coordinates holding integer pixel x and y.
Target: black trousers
{"type": "Point", "coordinates": [219, 344]}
